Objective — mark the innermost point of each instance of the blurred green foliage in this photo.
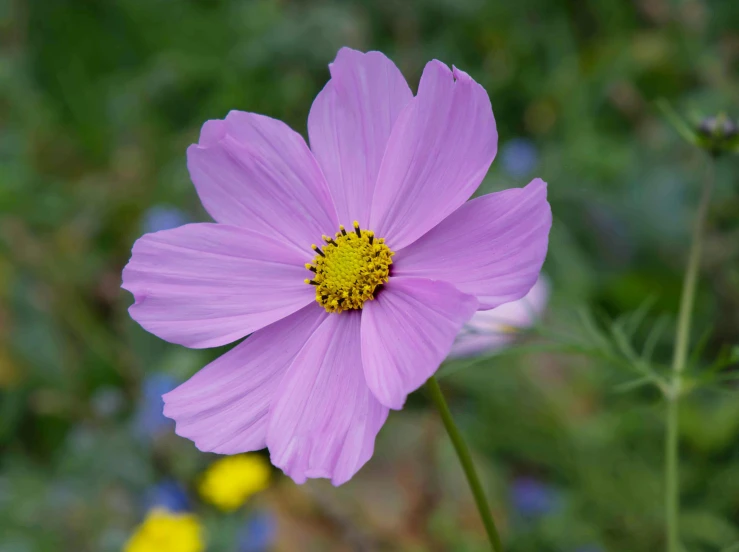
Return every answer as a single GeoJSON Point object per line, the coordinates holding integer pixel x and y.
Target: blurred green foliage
{"type": "Point", "coordinates": [98, 102]}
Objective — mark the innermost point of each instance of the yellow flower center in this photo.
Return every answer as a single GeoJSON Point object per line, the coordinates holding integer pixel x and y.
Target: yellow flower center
{"type": "Point", "coordinates": [349, 269]}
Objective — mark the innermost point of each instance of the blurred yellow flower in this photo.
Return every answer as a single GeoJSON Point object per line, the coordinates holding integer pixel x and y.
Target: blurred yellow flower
{"type": "Point", "coordinates": [229, 482]}
{"type": "Point", "coordinates": [164, 531]}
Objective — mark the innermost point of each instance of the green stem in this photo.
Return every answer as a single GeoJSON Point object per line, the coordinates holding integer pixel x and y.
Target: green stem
{"type": "Point", "coordinates": [682, 339]}
{"type": "Point", "coordinates": [463, 452]}
{"type": "Point", "coordinates": [672, 495]}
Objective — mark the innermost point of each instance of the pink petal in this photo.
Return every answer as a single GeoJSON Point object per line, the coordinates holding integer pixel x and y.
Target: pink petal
{"type": "Point", "coordinates": [492, 247]}
{"type": "Point", "coordinates": [349, 126]}
{"type": "Point", "coordinates": [324, 419]}
{"type": "Point", "coordinates": [438, 153]}
{"type": "Point", "coordinates": [257, 173]}
{"type": "Point", "coordinates": [224, 408]}
{"type": "Point", "coordinates": [407, 331]}
{"type": "Point", "coordinates": [204, 285]}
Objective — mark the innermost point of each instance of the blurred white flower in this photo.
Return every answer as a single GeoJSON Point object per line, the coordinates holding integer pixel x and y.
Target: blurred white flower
{"type": "Point", "coordinates": [494, 329]}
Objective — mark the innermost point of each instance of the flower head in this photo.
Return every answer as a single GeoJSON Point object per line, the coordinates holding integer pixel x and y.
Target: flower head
{"type": "Point", "coordinates": [167, 494]}
{"type": "Point", "coordinates": [258, 534]}
{"type": "Point", "coordinates": [149, 420]}
{"type": "Point", "coordinates": [519, 157]}
{"type": "Point", "coordinates": [229, 482]}
{"type": "Point", "coordinates": [163, 217]}
{"type": "Point", "coordinates": [493, 329]}
{"type": "Point", "coordinates": [353, 263]}
{"type": "Point", "coordinates": [533, 498]}
{"type": "Point", "coordinates": [164, 531]}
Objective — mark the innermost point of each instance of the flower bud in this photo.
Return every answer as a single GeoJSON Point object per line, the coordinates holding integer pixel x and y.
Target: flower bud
{"type": "Point", "coordinates": [718, 134]}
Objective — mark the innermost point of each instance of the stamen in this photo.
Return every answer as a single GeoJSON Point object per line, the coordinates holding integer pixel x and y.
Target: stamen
{"type": "Point", "coordinates": [350, 270]}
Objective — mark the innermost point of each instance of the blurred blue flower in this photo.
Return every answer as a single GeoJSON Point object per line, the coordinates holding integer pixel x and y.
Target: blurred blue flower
{"type": "Point", "coordinates": [150, 420]}
{"type": "Point", "coordinates": [167, 494]}
{"type": "Point", "coordinates": [258, 534]}
{"type": "Point", "coordinates": [519, 157]}
{"type": "Point", "coordinates": [163, 217]}
{"type": "Point", "coordinates": [532, 498]}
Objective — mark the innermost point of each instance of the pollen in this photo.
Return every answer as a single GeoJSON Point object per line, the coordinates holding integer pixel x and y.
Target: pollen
{"type": "Point", "coordinates": [349, 268]}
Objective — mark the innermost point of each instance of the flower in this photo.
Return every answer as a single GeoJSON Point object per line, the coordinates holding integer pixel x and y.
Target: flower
{"type": "Point", "coordinates": [519, 157]}
{"type": "Point", "coordinates": [229, 482]}
{"type": "Point", "coordinates": [163, 217]}
{"type": "Point", "coordinates": [258, 534]}
{"type": "Point", "coordinates": [149, 420]}
{"type": "Point", "coordinates": [167, 494]}
{"type": "Point", "coordinates": [493, 329]}
{"type": "Point", "coordinates": [343, 331]}
{"type": "Point", "coordinates": [164, 531]}
{"type": "Point", "coordinates": [532, 498]}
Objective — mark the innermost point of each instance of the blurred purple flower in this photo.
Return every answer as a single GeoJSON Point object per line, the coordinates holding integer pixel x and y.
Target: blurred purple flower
{"type": "Point", "coordinates": [532, 498]}
{"type": "Point", "coordinates": [149, 420]}
{"type": "Point", "coordinates": [258, 534]}
{"type": "Point", "coordinates": [168, 494]}
{"type": "Point", "coordinates": [519, 157]}
{"type": "Point", "coordinates": [163, 217]}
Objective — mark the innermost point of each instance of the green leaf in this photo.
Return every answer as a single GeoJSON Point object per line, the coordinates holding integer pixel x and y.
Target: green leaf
{"type": "Point", "coordinates": [677, 122]}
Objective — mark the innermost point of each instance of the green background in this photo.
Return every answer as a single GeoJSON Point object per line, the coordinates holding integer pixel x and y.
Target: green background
{"type": "Point", "coordinates": [98, 102]}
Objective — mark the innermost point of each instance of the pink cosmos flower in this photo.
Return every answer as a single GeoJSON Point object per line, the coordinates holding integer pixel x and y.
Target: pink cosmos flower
{"type": "Point", "coordinates": [344, 330]}
{"type": "Point", "coordinates": [494, 329]}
